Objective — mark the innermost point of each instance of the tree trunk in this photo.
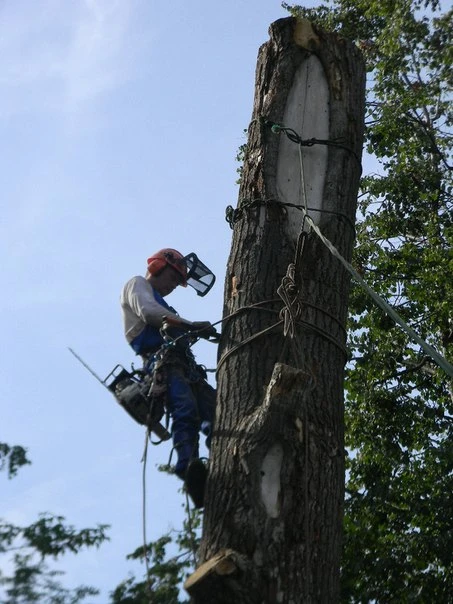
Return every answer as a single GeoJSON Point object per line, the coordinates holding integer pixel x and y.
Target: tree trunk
{"type": "Point", "coordinates": [273, 516]}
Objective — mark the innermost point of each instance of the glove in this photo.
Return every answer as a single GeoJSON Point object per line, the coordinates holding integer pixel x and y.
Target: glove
{"type": "Point", "coordinates": [204, 329]}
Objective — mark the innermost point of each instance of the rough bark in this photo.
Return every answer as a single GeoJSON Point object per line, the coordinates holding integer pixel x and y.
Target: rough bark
{"type": "Point", "coordinates": [276, 486]}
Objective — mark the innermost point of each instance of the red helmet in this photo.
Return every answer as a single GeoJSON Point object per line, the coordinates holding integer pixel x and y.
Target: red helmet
{"type": "Point", "coordinates": [168, 257]}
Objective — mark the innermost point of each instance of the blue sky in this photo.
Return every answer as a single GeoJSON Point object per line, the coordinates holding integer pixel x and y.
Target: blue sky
{"type": "Point", "coordinates": [120, 122]}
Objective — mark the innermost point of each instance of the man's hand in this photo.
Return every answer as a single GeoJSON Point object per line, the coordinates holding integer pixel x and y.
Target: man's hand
{"type": "Point", "coordinates": [204, 329]}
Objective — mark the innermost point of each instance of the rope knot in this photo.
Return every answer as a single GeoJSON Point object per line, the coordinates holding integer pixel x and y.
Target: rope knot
{"type": "Point", "coordinates": [289, 293]}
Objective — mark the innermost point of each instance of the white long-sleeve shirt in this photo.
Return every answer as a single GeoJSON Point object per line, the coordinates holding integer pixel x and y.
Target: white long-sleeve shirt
{"type": "Point", "coordinates": [140, 307]}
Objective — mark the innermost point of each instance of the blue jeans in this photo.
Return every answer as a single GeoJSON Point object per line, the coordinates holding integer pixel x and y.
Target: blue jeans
{"type": "Point", "coordinates": [190, 404]}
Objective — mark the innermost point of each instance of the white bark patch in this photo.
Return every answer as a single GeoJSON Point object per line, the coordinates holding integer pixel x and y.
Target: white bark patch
{"type": "Point", "coordinates": [270, 480]}
{"type": "Point", "coordinates": [306, 112]}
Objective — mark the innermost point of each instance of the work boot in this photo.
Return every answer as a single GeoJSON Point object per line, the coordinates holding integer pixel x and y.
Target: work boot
{"type": "Point", "coordinates": [196, 476]}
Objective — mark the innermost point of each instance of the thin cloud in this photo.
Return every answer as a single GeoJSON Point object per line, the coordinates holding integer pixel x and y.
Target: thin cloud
{"type": "Point", "coordinates": [58, 56]}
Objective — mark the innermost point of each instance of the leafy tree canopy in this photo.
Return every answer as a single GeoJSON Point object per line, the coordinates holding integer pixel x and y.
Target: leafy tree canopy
{"type": "Point", "coordinates": [27, 549]}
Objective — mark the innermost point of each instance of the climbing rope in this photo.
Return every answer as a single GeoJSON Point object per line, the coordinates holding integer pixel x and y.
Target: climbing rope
{"type": "Point", "coordinates": [234, 215]}
{"type": "Point", "coordinates": [231, 351]}
{"type": "Point", "coordinates": [295, 138]}
{"type": "Point", "coordinates": [288, 292]}
{"type": "Point", "coordinates": [145, 540]}
{"type": "Point", "coordinates": [287, 288]}
{"type": "Point", "coordinates": [385, 306]}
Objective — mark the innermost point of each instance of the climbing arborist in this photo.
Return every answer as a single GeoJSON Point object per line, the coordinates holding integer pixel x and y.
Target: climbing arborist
{"type": "Point", "coordinates": [157, 333]}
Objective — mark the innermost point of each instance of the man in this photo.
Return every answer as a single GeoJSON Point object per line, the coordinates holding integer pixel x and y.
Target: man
{"type": "Point", "coordinates": [190, 399]}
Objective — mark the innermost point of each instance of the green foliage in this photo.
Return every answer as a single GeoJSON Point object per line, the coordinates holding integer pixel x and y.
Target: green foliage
{"type": "Point", "coordinates": [30, 578]}
{"type": "Point", "coordinates": [241, 156]}
{"type": "Point", "coordinates": [34, 582]}
{"type": "Point", "coordinates": [399, 412]}
{"type": "Point", "coordinates": [12, 458]}
{"type": "Point", "coordinates": [165, 574]}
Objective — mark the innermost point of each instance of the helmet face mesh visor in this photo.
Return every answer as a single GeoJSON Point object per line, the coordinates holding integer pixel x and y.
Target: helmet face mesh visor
{"type": "Point", "coordinates": [199, 277]}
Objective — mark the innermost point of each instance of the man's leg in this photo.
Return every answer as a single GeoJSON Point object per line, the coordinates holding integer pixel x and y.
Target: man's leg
{"type": "Point", "coordinates": [206, 401]}
{"type": "Point", "coordinates": [185, 420]}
